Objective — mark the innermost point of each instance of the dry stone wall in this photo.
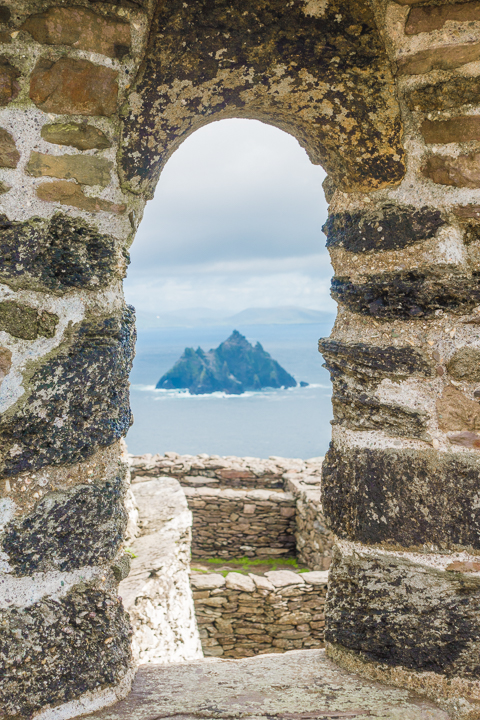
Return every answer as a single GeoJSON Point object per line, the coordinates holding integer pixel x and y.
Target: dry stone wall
{"type": "Point", "coordinates": [245, 615]}
{"type": "Point", "coordinates": [279, 514]}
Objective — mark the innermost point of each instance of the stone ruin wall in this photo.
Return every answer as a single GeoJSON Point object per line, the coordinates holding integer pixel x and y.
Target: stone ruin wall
{"type": "Point", "coordinates": [94, 99]}
{"type": "Point", "coordinates": [244, 615]}
{"type": "Point", "coordinates": [248, 506]}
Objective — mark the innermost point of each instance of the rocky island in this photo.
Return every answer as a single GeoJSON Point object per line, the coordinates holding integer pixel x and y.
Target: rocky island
{"type": "Point", "coordinates": [233, 367]}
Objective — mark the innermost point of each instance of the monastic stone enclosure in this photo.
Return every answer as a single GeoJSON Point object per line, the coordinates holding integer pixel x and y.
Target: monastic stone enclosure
{"type": "Point", "coordinates": [94, 98]}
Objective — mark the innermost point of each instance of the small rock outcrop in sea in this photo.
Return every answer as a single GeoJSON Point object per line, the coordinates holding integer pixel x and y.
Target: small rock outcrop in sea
{"type": "Point", "coordinates": [234, 367]}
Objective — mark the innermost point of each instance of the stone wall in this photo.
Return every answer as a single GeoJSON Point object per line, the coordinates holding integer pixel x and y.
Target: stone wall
{"type": "Point", "coordinates": [157, 593]}
{"type": "Point", "coordinates": [279, 514]}
{"type": "Point", "coordinates": [244, 615]}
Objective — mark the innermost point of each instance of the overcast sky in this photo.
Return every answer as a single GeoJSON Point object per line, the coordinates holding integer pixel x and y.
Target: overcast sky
{"type": "Point", "coordinates": [235, 223]}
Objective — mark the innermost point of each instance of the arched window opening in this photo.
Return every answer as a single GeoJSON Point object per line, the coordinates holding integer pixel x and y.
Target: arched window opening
{"type": "Point", "coordinates": [232, 243]}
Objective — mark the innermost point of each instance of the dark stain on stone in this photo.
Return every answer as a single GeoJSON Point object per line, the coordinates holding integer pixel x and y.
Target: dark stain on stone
{"type": "Point", "coordinates": [395, 612]}
{"type": "Point", "coordinates": [339, 105]}
{"type": "Point", "coordinates": [445, 95]}
{"type": "Point", "coordinates": [59, 254]}
{"type": "Point", "coordinates": [76, 403]}
{"type": "Point", "coordinates": [5, 14]}
{"type": "Point", "coordinates": [27, 323]}
{"type": "Point", "coordinates": [409, 293]}
{"type": "Point", "coordinates": [67, 530]}
{"type": "Point", "coordinates": [402, 497]}
{"type": "Point", "coordinates": [389, 228]}
{"type": "Point", "coordinates": [55, 651]}
{"type": "Point", "coordinates": [370, 363]}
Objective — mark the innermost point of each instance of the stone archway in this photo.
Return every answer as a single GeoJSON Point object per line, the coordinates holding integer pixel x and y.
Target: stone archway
{"type": "Point", "coordinates": [94, 97]}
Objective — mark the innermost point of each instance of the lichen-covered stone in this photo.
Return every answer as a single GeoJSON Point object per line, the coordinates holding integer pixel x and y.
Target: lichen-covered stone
{"type": "Point", "coordinates": [391, 227]}
{"type": "Point", "coordinates": [9, 86]}
{"type": "Point", "coordinates": [86, 169]}
{"type": "Point", "coordinates": [324, 77]}
{"type": "Point", "coordinates": [430, 18]}
{"type": "Point", "coordinates": [58, 254]}
{"type": "Point", "coordinates": [402, 497]}
{"type": "Point", "coordinates": [9, 155]}
{"type": "Point", "coordinates": [77, 135]}
{"type": "Point", "coordinates": [361, 411]}
{"type": "Point", "coordinates": [371, 363]}
{"type": "Point", "coordinates": [465, 364]}
{"type": "Point", "coordinates": [82, 29]}
{"type": "Point", "coordinates": [461, 171]}
{"type": "Point", "coordinates": [393, 611]}
{"type": "Point", "coordinates": [25, 322]}
{"type": "Point", "coordinates": [5, 362]}
{"type": "Point", "coordinates": [69, 193]}
{"type": "Point", "coordinates": [442, 57]}
{"type": "Point", "coordinates": [68, 529]}
{"type": "Point", "coordinates": [55, 651]}
{"type": "Point", "coordinates": [458, 129]}
{"type": "Point", "coordinates": [409, 293]}
{"type": "Point", "coordinates": [451, 93]}
{"type": "Point", "coordinates": [74, 87]}
{"type": "Point", "coordinates": [75, 403]}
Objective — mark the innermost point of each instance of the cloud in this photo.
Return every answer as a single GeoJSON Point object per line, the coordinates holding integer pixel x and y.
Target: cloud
{"type": "Point", "coordinates": [236, 219]}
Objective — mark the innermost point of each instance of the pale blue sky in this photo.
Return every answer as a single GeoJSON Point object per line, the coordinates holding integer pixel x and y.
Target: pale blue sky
{"type": "Point", "coordinates": [235, 223]}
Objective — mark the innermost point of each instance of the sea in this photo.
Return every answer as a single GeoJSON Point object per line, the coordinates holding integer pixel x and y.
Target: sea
{"type": "Point", "coordinates": [291, 423]}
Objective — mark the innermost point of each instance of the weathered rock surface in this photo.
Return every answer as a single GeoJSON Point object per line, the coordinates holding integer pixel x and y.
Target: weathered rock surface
{"type": "Point", "coordinates": [86, 169]}
{"type": "Point", "coordinates": [397, 497]}
{"type": "Point", "coordinates": [388, 228]}
{"type": "Point", "coordinates": [58, 254]}
{"type": "Point", "coordinates": [157, 593]}
{"type": "Point", "coordinates": [458, 129]}
{"type": "Point", "coordinates": [25, 322]}
{"type": "Point", "coordinates": [69, 193]}
{"type": "Point", "coordinates": [461, 171]}
{"type": "Point", "coordinates": [82, 29]}
{"type": "Point", "coordinates": [465, 364]}
{"type": "Point", "coordinates": [55, 423]}
{"type": "Point", "coordinates": [457, 412]}
{"type": "Point", "coordinates": [443, 57]}
{"type": "Point", "coordinates": [234, 367]}
{"type": "Point", "coordinates": [46, 649]}
{"type": "Point", "coordinates": [451, 93]}
{"type": "Point", "coordinates": [75, 87]}
{"type": "Point", "coordinates": [9, 86]}
{"type": "Point", "coordinates": [193, 689]}
{"type": "Point", "coordinates": [78, 135]}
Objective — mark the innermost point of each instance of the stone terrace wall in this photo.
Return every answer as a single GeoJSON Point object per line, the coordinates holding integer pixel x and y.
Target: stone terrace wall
{"type": "Point", "coordinates": [244, 615]}
{"type": "Point", "coordinates": [248, 506]}
{"type": "Point", "coordinates": [232, 523]}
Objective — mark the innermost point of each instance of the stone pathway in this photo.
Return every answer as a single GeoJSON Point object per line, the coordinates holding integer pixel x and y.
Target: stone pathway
{"type": "Point", "coordinates": [296, 685]}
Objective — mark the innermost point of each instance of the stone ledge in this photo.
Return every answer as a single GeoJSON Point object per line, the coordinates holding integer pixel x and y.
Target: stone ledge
{"type": "Point", "coordinates": [295, 685]}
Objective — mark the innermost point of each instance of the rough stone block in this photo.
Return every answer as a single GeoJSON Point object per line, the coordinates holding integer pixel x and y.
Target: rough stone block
{"type": "Point", "coordinates": [457, 412]}
{"type": "Point", "coordinates": [74, 87]}
{"type": "Point", "coordinates": [409, 293]}
{"type": "Point", "coordinates": [454, 130]}
{"type": "Point", "coordinates": [59, 254]}
{"type": "Point", "coordinates": [81, 29]}
{"type": "Point", "coordinates": [98, 360]}
{"type": "Point", "coordinates": [373, 363]}
{"type": "Point", "coordinates": [57, 650]}
{"type": "Point", "coordinates": [444, 57]}
{"type": "Point", "coordinates": [25, 322]}
{"type": "Point", "coordinates": [9, 155]}
{"type": "Point", "coordinates": [451, 93]}
{"type": "Point", "coordinates": [9, 87]}
{"type": "Point", "coordinates": [77, 135]}
{"type": "Point", "coordinates": [86, 169]}
{"type": "Point", "coordinates": [237, 581]}
{"type": "Point", "coordinates": [402, 497]}
{"type": "Point", "coordinates": [430, 18]}
{"type": "Point", "coordinates": [391, 227]}
{"type": "Point", "coordinates": [69, 193]}
{"type": "Point", "coordinates": [393, 611]}
{"type": "Point", "coordinates": [92, 517]}
{"type": "Point", "coordinates": [461, 171]}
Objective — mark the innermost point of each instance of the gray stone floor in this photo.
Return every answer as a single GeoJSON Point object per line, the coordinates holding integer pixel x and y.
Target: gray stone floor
{"type": "Point", "coordinates": [296, 685]}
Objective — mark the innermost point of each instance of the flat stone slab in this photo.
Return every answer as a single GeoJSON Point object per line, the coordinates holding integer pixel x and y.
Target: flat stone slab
{"type": "Point", "coordinates": [296, 685]}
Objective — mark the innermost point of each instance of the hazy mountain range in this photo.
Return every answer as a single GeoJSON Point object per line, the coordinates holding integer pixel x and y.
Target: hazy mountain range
{"type": "Point", "coordinates": [191, 317]}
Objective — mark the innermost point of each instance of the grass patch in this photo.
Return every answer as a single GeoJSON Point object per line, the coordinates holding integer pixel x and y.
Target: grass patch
{"type": "Point", "coordinates": [245, 564]}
